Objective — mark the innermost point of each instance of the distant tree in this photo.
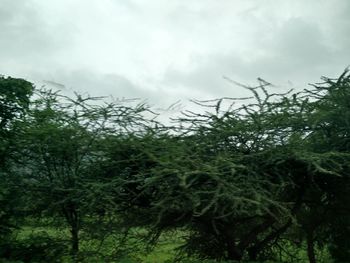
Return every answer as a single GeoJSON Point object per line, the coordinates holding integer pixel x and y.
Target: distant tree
{"type": "Point", "coordinates": [14, 103]}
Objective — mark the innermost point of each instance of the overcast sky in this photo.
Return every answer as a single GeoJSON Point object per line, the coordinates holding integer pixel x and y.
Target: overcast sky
{"type": "Point", "coordinates": [165, 50]}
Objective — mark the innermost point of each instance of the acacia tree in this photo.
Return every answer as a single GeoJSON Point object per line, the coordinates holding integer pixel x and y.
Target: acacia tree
{"type": "Point", "coordinates": [328, 217]}
{"type": "Point", "coordinates": [61, 145]}
{"type": "Point", "coordinates": [239, 180]}
{"type": "Point", "coordinates": [210, 181]}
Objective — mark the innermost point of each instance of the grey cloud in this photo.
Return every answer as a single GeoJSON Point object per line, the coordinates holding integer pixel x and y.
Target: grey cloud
{"type": "Point", "coordinates": [83, 81]}
{"type": "Point", "coordinates": [208, 78]}
{"type": "Point", "coordinates": [22, 32]}
{"type": "Point", "coordinates": [28, 43]}
{"type": "Point", "coordinates": [340, 28]}
{"type": "Point", "coordinates": [296, 52]}
{"type": "Point", "coordinates": [236, 39]}
{"type": "Point", "coordinates": [300, 52]}
{"type": "Point", "coordinates": [90, 83]}
{"type": "Point", "coordinates": [301, 42]}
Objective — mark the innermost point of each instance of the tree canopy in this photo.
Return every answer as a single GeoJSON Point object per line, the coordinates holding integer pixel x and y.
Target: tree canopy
{"type": "Point", "coordinates": [242, 179]}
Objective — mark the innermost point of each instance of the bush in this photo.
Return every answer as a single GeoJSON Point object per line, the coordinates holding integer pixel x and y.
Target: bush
{"type": "Point", "coordinates": [35, 248]}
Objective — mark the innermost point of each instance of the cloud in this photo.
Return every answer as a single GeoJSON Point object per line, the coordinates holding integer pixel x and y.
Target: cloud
{"type": "Point", "coordinates": [297, 50]}
{"type": "Point", "coordinates": [94, 84]}
{"type": "Point", "coordinates": [165, 51]}
{"type": "Point", "coordinates": [89, 82]}
{"type": "Point", "coordinates": [29, 43]}
{"type": "Point", "coordinates": [20, 31]}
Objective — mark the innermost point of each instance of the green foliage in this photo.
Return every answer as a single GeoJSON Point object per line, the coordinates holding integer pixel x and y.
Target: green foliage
{"type": "Point", "coordinates": [35, 248]}
{"type": "Point", "coordinates": [240, 179]}
{"type": "Point", "coordinates": [14, 103]}
{"type": "Point", "coordinates": [14, 99]}
{"type": "Point", "coordinates": [62, 146]}
{"type": "Point", "coordinates": [258, 180]}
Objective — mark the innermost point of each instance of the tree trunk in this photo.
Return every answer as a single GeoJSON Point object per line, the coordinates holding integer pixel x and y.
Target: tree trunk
{"type": "Point", "coordinates": [233, 253]}
{"type": "Point", "coordinates": [72, 218]}
{"type": "Point", "coordinates": [310, 247]}
{"type": "Point", "coordinates": [253, 253]}
{"type": "Point", "coordinates": [74, 239]}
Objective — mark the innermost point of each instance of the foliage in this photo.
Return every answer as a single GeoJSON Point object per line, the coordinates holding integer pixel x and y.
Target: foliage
{"type": "Point", "coordinates": [35, 248]}
{"type": "Point", "coordinates": [245, 179]}
{"type": "Point", "coordinates": [14, 102]}
{"type": "Point", "coordinates": [62, 143]}
{"type": "Point", "coordinates": [239, 179]}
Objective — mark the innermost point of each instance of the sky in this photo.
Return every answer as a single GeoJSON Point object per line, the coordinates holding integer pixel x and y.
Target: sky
{"type": "Point", "coordinates": [169, 50]}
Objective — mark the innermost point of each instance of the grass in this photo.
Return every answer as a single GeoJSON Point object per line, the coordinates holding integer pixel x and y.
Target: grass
{"type": "Point", "coordinates": [92, 250]}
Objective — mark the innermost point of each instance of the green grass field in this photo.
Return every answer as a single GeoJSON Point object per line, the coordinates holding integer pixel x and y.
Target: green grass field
{"type": "Point", "coordinates": [93, 250]}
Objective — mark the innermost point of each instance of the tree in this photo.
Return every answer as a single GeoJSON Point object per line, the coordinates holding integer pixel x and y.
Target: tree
{"type": "Point", "coordinates": [219, 180]}
{"type": "Point", "coordinates": [329, 142]}
{"type": "Point", "coordinates": [240, 180]}
{"type": "Point", "coordinates": [61, 146]}
{"type": "Point", "coordinates": [14, 103]}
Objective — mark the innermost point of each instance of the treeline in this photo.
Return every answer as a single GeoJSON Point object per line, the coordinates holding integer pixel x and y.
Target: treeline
{"type": "Point", "coordinates": [243, 179]}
